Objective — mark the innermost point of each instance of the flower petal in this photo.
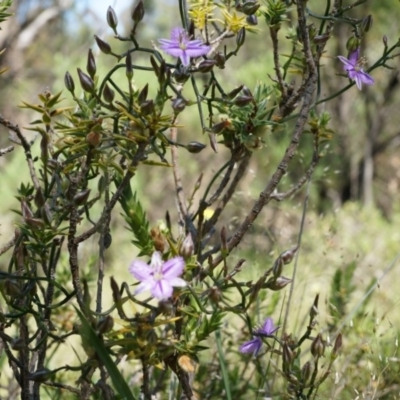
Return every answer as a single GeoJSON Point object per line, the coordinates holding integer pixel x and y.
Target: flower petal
{"type": "Point", "coordinates": [185, 58]}
{"type": "Point", "coordinates": [167, 43]}
{"type": "Point", "coordinates": [367, 79]}
{"type": "Point", "coordinates": [252, 346]}
{"type": "Point", "coordinates": [177, 34]}
{"type": "Point", "coordinates": [197, 51]}
{"type": "Point", "coordinates": [144, 286]}
{"type": "Point", "coordinates": [156, 261]}
{"type": "Point", "coordinates": [162, 289]}
{"type": "Point", "coordinates": [140, 270]}
{"type": "Point", "coordinates": [174, 51]}
{"type": "Point", "coordinates": [173, 268]}
{"type": "Point", "coordinates": [347, 64]}
{"type": "Point", "coordinates": [354, 56]}
{"type": "Point", "coordinates": [177, 282]}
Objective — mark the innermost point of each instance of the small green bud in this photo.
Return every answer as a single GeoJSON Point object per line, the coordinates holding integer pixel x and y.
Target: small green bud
{"type": "Point", "coordinates": [103, 46]}
{"type": "Point", "coordinates": [69, 82]}
{"type": "Point", "coordinates": [112, 19]}
{"type": "Point", "coordinates": [91, 64]}
{"type": "Point", "coordinates": [353, 44]}
{"type": "Point", "coordinates": [129, 67]}
{"type": "Point", "coordinates": [195, 147]}
{"type": "Point", "coordinates": [87, 83]}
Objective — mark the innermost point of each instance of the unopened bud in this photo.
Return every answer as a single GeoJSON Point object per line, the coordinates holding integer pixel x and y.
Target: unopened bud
{"type": "Point", "coordinates": [158, 239]}
{"type": "Point", "coordinates": [187, 247]}
{"type": "Point", "coordinates": [81, 197]}
{"type": "Point", "coordinates": [112, 19]}
{"type": "Point", "coordinates": [215, 295]}
{"type": "Point", "coordinates": [143, 94]}
{"type": "Point", "coordinates": [69, 82]}
{"type": "Point", "coordinates": [35, 223]}
{"type": "Point", "coordinates": [277, 267]}
{"type": "Point", "coordinates": [366, 23]}
{"type": "Point", "coordinates": [213, 142]}
{"type": "Point", "coordinates": [87, 83]}
{"type": "Point", "coordinates": [41, 375]}
{"type": "Point", "coordinates": [195, 147]}
{"type": "Point", "coordinates": [278, 283]}
{"type": "Point", "coordinates": [108, 94]}
{"type": "Point", "coordinates": [306, 372]}
{"type": "Point", "coordinates": [93, 139]}
{"type": "Point", "coordinates": [232, 94]}
{"type": "Point", "coordinates": [138, 12]}
{"type": "Point", "coordinates": [314, 308]}
{"type": "Point", "coordinates": [147, 107]}
{"type": "Point", "coordinates": [105, 324]}
{"type": "Point", "coordinates": [241, 37]}
{"type": "Point", "coordinates": [103, 46]}
{"type": "Point", "coordinates": [219, 127]}
{"type": "Point", "coordinates": [220, 60]}
{"type": "Point", "coordinates": [385, 40]}
{"type": "Point", "coordinates": [129, 67]}
{"type": "Point", "coordinates": [181, 74]}
{"type": "Point", "coordinates": [91, 64]}
{"type": "Point", "coordinates": [287, 256]}
{"type": "Point", "coordinates": [287, 356]}
{"type": "Point", "coordinates": [353, 44]}
{"type": "Point", "coordinates": [178, 105]}
{"type": "Point", "coordinates": [206, 66]}
{"type": "Point", "coordinates": [242, 101]}
{"type": "Point", "coordinates": [252, 20]}
{"type": "Point", "coordinates": [11, 288]}
{"type": "Point", "coordinates": [224, 242]}
{"type": "Point", "coordinates": [337, 346]}
{"type": "Point", "coordinates": [318, 346]}
{"type": "Point", "coordinates": [249, 7]}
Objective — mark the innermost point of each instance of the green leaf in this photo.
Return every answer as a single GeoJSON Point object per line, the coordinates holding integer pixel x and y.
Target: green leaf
{"type": "Point", "coordinates": [118, 380]}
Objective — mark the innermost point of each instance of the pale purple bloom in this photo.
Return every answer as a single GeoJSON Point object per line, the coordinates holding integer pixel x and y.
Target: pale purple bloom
{"type": "Point", "coordinates": [181, 46]}
{"type": "Point", "coordinates": [159, 277]}
{"type": "Point", "coordinates": [353, 66]}
{"type": "Point", "coordinates": [254, 345]}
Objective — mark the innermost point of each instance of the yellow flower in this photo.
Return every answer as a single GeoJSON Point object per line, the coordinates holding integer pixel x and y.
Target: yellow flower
{"type": "Point", "coordinates": [233, 22]}
{"type": "Point", "coordinates": [201, 13]}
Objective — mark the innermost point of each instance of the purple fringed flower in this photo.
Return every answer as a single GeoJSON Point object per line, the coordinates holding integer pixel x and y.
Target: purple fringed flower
{"type": "Point", "coordinates": [254, 345]}
{"type": "Point", "coordinates": [353, 66]}
{"type": "Point", "coordinates": [159, 277]}
{"type": "Point", "coordinates": [181, 46]}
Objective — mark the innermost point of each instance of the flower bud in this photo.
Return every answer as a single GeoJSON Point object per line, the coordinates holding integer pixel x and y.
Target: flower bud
{"type": "Point", "coordinates": [178, 105]}
{"type": "Point", "coordinates": [195, 147]}
{"type": "Point", "coordinates": [220, 60]}
{"type": "Point", "coordinates": [278, 283]}
{"type": "Point", "coordinates": [213, 142]}
{"type": "Point", "coordinates": [158, 239]}
{"type": "Point", "coordinates": [181, 74]}
{"type": "Point", "coordinates": [91, 64]}
{"type": "Point", "coordinates": [318, 346]}
{"type": "Point", "coordinates": [103, 46]}
{"type": "Point", "coordinates": [107, 240]}
{"type": "Point", "coordinates": [12, 288]}
{"type": "Point", "coordinates": [87, 83]}
{"type": "Point", "coordinates": [385, 40]}
{"type": "Point", "coordinates": [337, 346]}
{"type": "Point", "coordinates": [105, 324]}
{"type": "Point", "coordinates": [249, 7]}
{"type": "Point", "coordinates": [287, 256]}
{"type": "Point", "coordinates": [143, 94]}
{"type": "Point", "coordinates": [129, 67]}
{"type": "Point", "coordinates": [234, 92]}
{"type": "Point", "coordinates": [306, 372]}
{"type": "Point", "coordinates": [147, 107]}
{"type": "Point", "coordinates": [252, 20]}
{"type": "Point", "coordinates": [242, 101]}
{"type": "Point", "coordinates": [112, 19]}
{"type": "Point", "coordinates": [41, 375]}
{"type": "Point", "coordinates": [215, 295]}
{"type": "Point", "coordinates": [138, 12]}
{"type": "Point", "coordinates": [35, 223]}
{"type": "Point", "coordinates": [187, 247]}
{"type": "Point", "coordinates": [206, 66]}
{"type": "Point", "coordinates": [287, 356]}
{"type": "Point", "coordinates": [366, 23]}
{"type": "Point", "coordinates": [219, 127]}
{"type": "Point", "coordinates": [108, 94]}
{"type": "Point", "coordinates": [352, 44]}
{"type": "Point", "coordinates": [69, 82]}
{"type": "Point", "coordinates": [241, 37]}
{"type": "Point", "coordinates": [314, 308]}
{"type": "Point", "coordinates": [93, 139]}
{"type": "Point", "coordinates": [81, 197]}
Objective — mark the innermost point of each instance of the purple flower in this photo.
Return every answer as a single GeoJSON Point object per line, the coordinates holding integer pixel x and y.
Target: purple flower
{"type": "Point", "coordinates": [159, 277]}
{"type": "Point", "coordinates": [353, 67]}
{"type": "Point", "coordinates": [254, 345]}
{"type": "Point", "coordinates": [181, 46]}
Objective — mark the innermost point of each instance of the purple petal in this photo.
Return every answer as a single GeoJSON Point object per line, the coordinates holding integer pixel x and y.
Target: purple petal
{"type": "Point", "coordinates": [268, 328]}
{"type": "Point", "coordinates": [177, 282]}
{"type": "Point", "coordinates": [140, 270]}
{"type": "Point", "coordinates": [167, 43]}
{"type": "Point", "coordinates": [367, 79]}
{"type": "Point", "coordinates": [185, 58]}
{"type": "Point", "coordinates": [173, 51]}
{"type": "Point", "coordinates": [162, 290]}
{"type": "Point", "coordinates": [156, 261]}
{"type": "Point", "coordinates": [193, 52]}
{"type": "Point", "coordinates": [354, 56]}
{"type": "Point", "coordinates": [347, 64]}
{"type": "Point", "coordinates": [252, 346]}
{"type": "Point", "coordinates": [177, 34]}
{"type": "Point", "coordinates": [173, 268]}
{"type": "Point", "coordinates": [145, 286]}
